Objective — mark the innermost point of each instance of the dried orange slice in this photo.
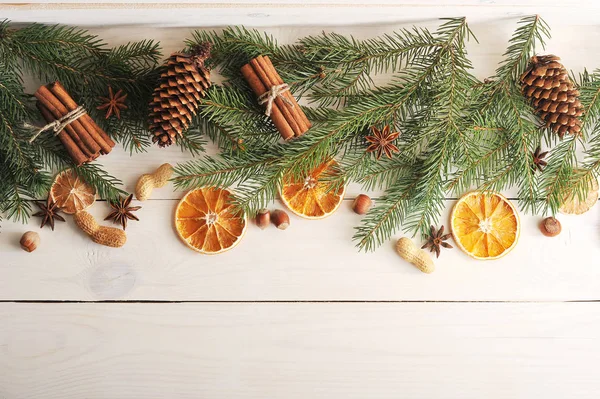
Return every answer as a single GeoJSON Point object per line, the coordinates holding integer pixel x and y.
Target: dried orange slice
{"type": "Point", "coordinates": [572, 205]}
{"type": "Point", "coordinates": [485, 225]}
{"type": "Point", "coordinates": [207, 222]}
{"type": "Point", "coordinates": [311, 198]}
{"type": "Point", "coordinates": [71, 193]}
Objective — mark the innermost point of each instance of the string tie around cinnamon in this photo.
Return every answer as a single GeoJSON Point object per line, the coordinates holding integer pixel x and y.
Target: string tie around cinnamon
{"type": "Point", "coordinates": [270, 95]}
{"type": "Point", "coordinates": [58, 125]}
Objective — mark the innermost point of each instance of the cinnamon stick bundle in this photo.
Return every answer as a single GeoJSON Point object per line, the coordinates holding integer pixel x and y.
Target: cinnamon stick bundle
{"type": "Point", "coordinates": [286, 114]}
{"type": "Point", "coordinates": [83, 139]}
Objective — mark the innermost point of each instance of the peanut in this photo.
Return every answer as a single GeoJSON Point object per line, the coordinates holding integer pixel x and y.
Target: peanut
{"type": "Point", "coordinates": [148, 182]}
{"type": "Point", "coordinates": [109, 236]}
{"type": "Point", "coordinates": [412, 254]}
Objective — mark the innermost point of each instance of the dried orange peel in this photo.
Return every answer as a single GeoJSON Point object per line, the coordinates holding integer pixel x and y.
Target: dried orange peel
{"type": "Point", "coordinates": [71, 193]}
{"type": "Point", "coordinates": [207, 222]}
{"type": "Point", "coordinates": [485, 225]}
{"type": "Point", "coordinates": [573, 205]}
{"type": "Point", "coordinates": [311, 197]}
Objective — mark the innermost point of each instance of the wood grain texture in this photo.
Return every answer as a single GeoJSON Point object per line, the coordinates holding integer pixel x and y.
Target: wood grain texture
{"type": "Point", "coordinates": [311, 260]}
{"type": "Point", "coordinates": [425, 350]}
{"type": "Point", "coordinates": [289, 12]}
{"type": "Point", "coordinates": [302, 349]}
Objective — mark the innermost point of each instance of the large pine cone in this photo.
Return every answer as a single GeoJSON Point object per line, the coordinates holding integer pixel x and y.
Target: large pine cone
{"type": "Point", "coordinates": [547, 85]}
{"type": "Point", "coordinates": [177, 97]}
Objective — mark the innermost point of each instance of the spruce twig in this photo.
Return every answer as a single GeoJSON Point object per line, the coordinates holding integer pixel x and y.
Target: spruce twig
{"type": "Point", "coordinates": [86, 66]}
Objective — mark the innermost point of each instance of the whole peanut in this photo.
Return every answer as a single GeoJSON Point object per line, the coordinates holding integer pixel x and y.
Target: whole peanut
{"type": "Point", "coordinates": [148, 182]}
{"type": "Point", "coordinates": [411, 253]}
{"type": "Point", "coordinates": [109, 236]}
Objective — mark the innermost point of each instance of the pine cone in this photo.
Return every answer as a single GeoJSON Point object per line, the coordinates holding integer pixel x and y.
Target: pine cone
{"type": "Point", "coordinates": [547, 85]}
{"type": "Point", "coordinates": [177, 97]}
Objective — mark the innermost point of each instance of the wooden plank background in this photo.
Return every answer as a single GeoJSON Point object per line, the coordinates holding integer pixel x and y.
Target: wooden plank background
{"type": "Point", "coordinates": [299, 313]}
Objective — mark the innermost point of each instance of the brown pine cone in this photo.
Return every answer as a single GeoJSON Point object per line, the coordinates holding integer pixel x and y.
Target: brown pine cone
{"type": "Point", "coordinates": [547, 85]}
{"type": "Point", "coordinates": [177, 97]}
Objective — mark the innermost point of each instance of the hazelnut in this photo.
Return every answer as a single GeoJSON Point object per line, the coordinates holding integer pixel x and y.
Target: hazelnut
{"type": "Point", "coordinates": [263, 218]}
{"type": "Point", "coordinates": [280, 219]}
{"type": "Point", "coordinates": [550, 227]}
{"type": "Point", "coordinates": [30, 240]}
{"type": "Point", "coordinates": [362, 204]}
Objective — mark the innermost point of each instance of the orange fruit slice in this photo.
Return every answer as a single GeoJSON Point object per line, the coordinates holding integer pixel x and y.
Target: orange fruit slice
{"type": "Point", "coordinates": [572, 205]}
{"type": "Point", "coordinates": [71, 193]}
{"type": "Point", "coordinates": [206, 221]}
{"type": "Point", "coordinates": [311, 198]}
{"type": "Point", "coordinates": [485, 225]}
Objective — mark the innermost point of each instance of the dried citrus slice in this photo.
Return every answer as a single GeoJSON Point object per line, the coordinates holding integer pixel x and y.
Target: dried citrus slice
{"type": "Point", "coordinates": [71, 193]}
{"type": "Point", "coordinates": [311, 198]}
{"type": "Point", "coordinates": [572, 205]}
{"type": "Point", "coordinates": [485, 225]}
{"type": "Point", "coordinates": [207, 222]}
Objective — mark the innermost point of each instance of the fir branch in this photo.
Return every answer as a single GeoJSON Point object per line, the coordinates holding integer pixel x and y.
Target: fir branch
{"type": "Point", "coordinates": [570, 178]}
{"type": "Point", "coordinates": [439, 125]}
{"type": "Point", "coordinates": [506, 159]}
{"type": "Point", "coordinates": [347, 65]}
{"type": "Point", "coordinates": [223, 171]}
{"type": "Point", "coordinates": [84, 64]}
{"type": "Point", "coordinates": [107, 186]}
{"type": "Point", "coordinates": [258, 192]}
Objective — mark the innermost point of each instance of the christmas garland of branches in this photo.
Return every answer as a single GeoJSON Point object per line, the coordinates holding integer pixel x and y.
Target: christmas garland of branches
{"type": "Point", "coordinates": [458, 133]}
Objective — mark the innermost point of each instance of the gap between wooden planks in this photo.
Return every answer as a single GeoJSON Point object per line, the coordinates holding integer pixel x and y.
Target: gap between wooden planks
{"type": "Point", "coordinates": [310, 261]}
{"type": "Point", "coordinates": [296, 350]}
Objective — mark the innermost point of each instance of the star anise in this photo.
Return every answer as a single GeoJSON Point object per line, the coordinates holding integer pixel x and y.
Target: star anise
{"type": "Point", "coordinates": [538, 159]}
{"type": "Point", "coordinates": [114, 103]}
{"type": "Point", "coordinates": [436, 240]}
{"type": "Point", "coordinates": [122, 211]}
{"type": "Point", "coordinates": [48, 213]}
{"type": "Point", "coordinates": [381, 141]}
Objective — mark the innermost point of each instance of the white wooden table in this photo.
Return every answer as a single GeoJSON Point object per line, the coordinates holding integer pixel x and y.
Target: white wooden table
{"type": "Point", "coordinates": [300, 313]}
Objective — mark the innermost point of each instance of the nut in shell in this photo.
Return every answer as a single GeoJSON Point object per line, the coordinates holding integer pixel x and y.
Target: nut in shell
{"type": "Point", "coordinates": [362, 203]}
{"type": "Point", "coordinates": [30, 241]}
{"type": "Point", "coordinates": [413, 254]}
{"type": "Point", "coordinates": [280, 219]}
{"type": "Point", "coordinates": [263, 218]}
{"type": "Point", "coordinates": [550, 227]}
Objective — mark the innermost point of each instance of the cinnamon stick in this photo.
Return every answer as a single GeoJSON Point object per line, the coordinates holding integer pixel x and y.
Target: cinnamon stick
{"type": "Point", "coordinates": [47, 98]}
{"type": "Point", "coordinates": [70, 145]}
{"type": "Point", "coordinates": [259, 89]}
{"type": "Point", "coordinates": [69, 129]}
{"type": "Point", "coordinates": [99, 135]}
{"type": "Point", "coordinates": [261, 70]}
{"type": "Point", "coordinates": [297, 110]}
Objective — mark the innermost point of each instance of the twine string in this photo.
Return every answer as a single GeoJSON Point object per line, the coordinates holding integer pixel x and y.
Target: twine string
{"type": "Point", "coordinates": [58, 125]}
{"type": "Point", "coordinates": [270, 95]}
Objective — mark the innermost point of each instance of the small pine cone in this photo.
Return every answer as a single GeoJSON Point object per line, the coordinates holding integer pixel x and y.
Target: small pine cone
{"type": "Point", "coordinates": [177, 97]}
{"type": "Point", "coordinates": [547, 85]}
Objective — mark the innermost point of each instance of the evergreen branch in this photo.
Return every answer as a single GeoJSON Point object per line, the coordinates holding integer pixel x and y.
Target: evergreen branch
{"type": "Point", "coordinates": [107, 186]}
{"type": "Point", "coordinates": [421, 201]}
{"type": "Point", "coordinates": [498, 103]}
{"type": "Point", "coordinates": [259, 192]}
{"type": "Point", "coordinates": [563, 177]}
{"type": "Point", "coordinates": [84, 64]}
{"type": "Point", "coordinates": [223, 171]}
